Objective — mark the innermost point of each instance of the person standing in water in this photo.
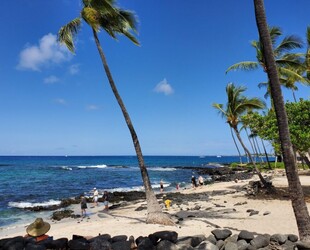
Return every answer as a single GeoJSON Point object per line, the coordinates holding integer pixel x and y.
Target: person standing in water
{"type": "Point", "coordinates": [161, 186]}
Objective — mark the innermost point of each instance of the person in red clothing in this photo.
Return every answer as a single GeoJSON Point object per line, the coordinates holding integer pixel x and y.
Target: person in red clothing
{"type": "Point", "coordinates": [37, 230]}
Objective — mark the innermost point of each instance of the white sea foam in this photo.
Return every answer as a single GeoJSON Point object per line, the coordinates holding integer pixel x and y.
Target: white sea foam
{"type": "Point", "coordinates": [161, 169]}
{"type": "Point", "coordinates": [24, 204]}
{"type": "Point", "coordinates": [66, 168]}
{"type": "Point", "coordinates": [215, 165]}
{"type": "Point", "coordinates": [94, 166]}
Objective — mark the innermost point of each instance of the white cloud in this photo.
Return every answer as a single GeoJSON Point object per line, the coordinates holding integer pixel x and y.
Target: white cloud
{"type": "Point", "coordinates": [47, 52]}
{"type": "Point", "coordinates": [51, 79]}
{"type": "Point", "coordinates": [60, 101]}
{"type": "Point", "coordinates": [164, 87]}
{"type": "Point", "coordinates": [74, 69]}
{"type": "Point", "coordinates": [92, 107]}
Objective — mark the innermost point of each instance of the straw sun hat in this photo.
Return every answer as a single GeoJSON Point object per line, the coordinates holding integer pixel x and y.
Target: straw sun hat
{"type": "Point", "coordinates": [38, 228]}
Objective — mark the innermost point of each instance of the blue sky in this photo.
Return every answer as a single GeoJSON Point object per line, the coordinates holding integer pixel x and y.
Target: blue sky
{"type": "Point", "coordinates": [56, 103]}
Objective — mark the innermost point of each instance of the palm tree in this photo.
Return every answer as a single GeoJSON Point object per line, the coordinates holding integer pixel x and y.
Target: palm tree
{"type": "Point", "coordinates": [290, 65]}
{"type": "Point", "coordinates": [104, 15]}
{"type": "Point", "coordinates": [236, 106]}
{"type": "Point", "coordinates": [307, 55]}
{"type": "Point", "coordinates": [295, 188]}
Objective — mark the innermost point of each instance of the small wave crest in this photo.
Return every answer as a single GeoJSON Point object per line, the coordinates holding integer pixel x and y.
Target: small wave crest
{"type": "Point", "coordinates": [66, 168]}
{"type": "Point", "coordinates": [93, 166]}
{"type": "Point", "coordinates": [25, 204]}
{"type": "Point", "coordinates": [162, 169]}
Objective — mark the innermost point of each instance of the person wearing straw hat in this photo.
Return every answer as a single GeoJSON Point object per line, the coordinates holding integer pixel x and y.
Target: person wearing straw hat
{"type": "Point", "coordinates": [38, 229]}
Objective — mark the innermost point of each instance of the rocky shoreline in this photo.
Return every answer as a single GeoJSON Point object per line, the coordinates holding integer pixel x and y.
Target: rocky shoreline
{"type": "Point", "coordinates": [218, 174]}
{"type": "Point", "coordinates": [165, 240]}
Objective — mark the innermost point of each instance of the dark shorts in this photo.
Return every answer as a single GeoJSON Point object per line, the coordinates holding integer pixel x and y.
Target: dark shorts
{"type": "Point", "coordinates": [83, 206]}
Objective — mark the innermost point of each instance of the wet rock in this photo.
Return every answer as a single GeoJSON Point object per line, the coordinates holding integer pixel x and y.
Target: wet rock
{"type": "Point", "coordinates": [58, 215]}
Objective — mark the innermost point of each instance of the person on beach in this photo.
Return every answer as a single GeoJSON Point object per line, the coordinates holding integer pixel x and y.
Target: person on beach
{"type": "Point", "coordinates": [200, 181]}
{"type": "Point", "coordinates": [161, 186]}
{"type": "Point", "coordinates": [106, 201]}
{"type": "Point", "coordinates": [178, 186]}
{"type": "Point", "coordinates": [83, 206]}
{"type": "Point", "coordinates": [95, 199]}
{"type": "Point", "coordinates": [37, 230]}
{"type": "Point", "coordinates": [194, 184]}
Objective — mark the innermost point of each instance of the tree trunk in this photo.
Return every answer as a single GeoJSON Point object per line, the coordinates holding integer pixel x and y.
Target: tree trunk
{"type": "Point", "coordinates": [295, 188]}
{"type": "Point", "coordinates": [232, 135]}
{"type": "Point", "coordinates": [155, 214]}
{"type": "Point", "coordinates": [267, 158]}
{"type": "Point", "coordinates": [251, 159]}
{"type": "Point", "coordinates": [251, 143]}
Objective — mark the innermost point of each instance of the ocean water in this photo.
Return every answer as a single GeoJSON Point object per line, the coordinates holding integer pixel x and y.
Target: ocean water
{"type": "Point", "coordinates": [28, 181]}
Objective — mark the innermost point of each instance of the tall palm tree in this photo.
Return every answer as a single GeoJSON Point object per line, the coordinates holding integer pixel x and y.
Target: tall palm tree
{"type": "Point", "coordinates": [237, 105]}
{"type": "Point", "coordinates": [104, 15]}
{"type": "Point", "coordinates": [307, 55]}
{"type": "Point", "coordinates": [295, 188]}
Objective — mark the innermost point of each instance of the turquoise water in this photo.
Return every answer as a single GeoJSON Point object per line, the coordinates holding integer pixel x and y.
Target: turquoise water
{"type": "Point", "coordinates": [32, 181]}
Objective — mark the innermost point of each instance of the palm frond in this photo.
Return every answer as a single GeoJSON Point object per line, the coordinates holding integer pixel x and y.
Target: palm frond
{"type": "Point", "coordinates": [246, 66]}
{"type": "Point", "coordinates": [293, 76]}
{"type": "Point", "coordinates": [104, 7]}
{"type": "Point", "coordinates": [130, 19]}
{"type": "Point", "coordinates": [220, 109]}
{"type": "Point", "coordinates": [274, 32]}
{"type": "Point", "coordinates": [287, 44]}
{"type": "Point", "coordinates": [289, 63]}
{"type": "Point", "coordinates": [308, 36]}
{"type": "Point", "coordinates": [67, 33]}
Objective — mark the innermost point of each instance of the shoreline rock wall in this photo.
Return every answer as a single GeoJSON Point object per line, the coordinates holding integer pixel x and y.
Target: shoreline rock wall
{"type": "Point", "coordinates": [220, 239]}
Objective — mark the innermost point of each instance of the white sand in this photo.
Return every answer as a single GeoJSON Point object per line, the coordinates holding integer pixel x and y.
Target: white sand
{"type": "Point", "coordinates": [126, 221]}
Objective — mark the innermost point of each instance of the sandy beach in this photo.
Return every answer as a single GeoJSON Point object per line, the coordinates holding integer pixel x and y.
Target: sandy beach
{"type": "Point", "coordinates": [218, 205]}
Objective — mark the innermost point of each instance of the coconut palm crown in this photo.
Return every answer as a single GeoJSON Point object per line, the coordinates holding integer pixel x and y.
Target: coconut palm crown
{"type": "Point", "coordinates": [237, 104]}
{"type": "Point", "coordinates": [100, 15]}
{"type": "Point", "coordinates": [291, 66]}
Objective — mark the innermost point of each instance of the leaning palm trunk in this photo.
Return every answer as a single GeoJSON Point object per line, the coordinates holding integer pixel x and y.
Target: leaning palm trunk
{"type": "Point", "coordinates": [295, 188]}
{"type": "Point", "coordinates": [252, 144]}
{"type": "Point", "coordinates": [267, 158]}
{"type": "Point", "coordinates": [251, 159]}
{"type": "Point", "coordinates": [232, 135]}
{"type": "Point", "coordinates": [155, 214]}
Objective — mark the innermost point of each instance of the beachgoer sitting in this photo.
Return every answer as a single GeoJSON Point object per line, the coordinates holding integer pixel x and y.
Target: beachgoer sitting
{"type": "Point", "coordinates": [37, 230]}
